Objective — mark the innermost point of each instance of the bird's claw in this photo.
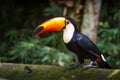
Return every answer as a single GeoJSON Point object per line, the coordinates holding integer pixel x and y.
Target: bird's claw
{"type": "Point", "coordinates": [89, 66]}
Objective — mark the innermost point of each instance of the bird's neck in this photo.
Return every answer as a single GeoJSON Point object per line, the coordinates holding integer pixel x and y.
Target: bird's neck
{"type": "Point", "coordinates": [68, 34]}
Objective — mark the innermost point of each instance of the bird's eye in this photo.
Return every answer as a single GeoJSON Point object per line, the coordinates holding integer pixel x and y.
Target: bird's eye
{"type": "Point", "coordinates": [67, 22]}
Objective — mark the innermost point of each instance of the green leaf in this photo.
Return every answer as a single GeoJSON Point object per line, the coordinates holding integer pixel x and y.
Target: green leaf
{"type": "Point", "coordinates": [27, 69]}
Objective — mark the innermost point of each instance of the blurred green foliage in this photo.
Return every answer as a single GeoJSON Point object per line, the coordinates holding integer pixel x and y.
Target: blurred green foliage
{"type": "Point", "coordinates": [35, 52]}
{"type": "Point", "coordinates": [17, 23]}
{"type": "Point", "coordinates": [109, 34]}
{"type": "Point", "coordinates": [107, 42]}
{"type": "Point", "coordinates": [53, 11]}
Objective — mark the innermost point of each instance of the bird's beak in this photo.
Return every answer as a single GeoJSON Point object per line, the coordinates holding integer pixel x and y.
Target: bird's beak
{"type": "Point", "coordinates": [54, 24]}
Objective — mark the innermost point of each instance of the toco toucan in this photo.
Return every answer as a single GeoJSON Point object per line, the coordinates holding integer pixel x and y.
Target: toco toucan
{"type": "Point", "coordinates": [75, 41]}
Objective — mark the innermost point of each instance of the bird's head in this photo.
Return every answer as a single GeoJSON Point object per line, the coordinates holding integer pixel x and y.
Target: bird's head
{"type": "Point", "coordinates": [54, 24]}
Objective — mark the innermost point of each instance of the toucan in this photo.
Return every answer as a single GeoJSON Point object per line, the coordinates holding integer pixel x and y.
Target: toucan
{"type": "Point", "coordinates": [74, 40]}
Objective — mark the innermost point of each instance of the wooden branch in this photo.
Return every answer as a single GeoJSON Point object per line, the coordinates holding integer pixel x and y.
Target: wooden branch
{"type": "Point", "coordinates": [12, 71]}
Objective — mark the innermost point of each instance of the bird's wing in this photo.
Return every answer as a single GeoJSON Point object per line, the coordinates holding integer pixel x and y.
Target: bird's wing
{"type": "Point", "coordinates": [84, 42]}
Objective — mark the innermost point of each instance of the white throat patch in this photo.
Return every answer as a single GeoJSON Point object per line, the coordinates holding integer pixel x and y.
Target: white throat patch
{"type": "Point", "coordinates": [68, 33]}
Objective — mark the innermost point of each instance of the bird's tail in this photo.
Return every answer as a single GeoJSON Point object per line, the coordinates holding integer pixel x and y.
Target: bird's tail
{"type": "Point", "coordinates": [102, 63]}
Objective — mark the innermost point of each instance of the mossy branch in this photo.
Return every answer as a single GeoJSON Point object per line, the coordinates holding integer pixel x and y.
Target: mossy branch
{"type": "Point", "coordinates": [12, 71]}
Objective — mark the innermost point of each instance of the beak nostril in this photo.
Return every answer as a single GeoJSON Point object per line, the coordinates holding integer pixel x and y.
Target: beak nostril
{"type": "Point", "coordinates": [37, 30]}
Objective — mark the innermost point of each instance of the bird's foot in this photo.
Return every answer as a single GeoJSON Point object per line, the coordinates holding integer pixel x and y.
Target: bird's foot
{"type": "Point", "coordinates": [74, 66]}
{"type": "Point", "coordinates": [89, 66]}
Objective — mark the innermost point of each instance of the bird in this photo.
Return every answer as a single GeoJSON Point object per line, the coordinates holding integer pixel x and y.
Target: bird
{"type": "Point", "coordinates": [75, 41]}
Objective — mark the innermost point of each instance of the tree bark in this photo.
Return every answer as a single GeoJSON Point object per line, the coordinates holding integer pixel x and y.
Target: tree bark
{"type": "Point", "coordinates": [12, 71]}
{"type": "Point", "coordinates": [91, 18]}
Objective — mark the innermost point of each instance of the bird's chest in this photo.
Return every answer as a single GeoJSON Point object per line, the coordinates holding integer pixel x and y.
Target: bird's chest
{"type": "Point", "coordinates": [72, 45]}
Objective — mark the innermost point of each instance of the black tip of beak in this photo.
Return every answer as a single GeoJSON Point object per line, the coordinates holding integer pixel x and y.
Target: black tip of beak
{"type": "Point", "coordinates": [37, 30]}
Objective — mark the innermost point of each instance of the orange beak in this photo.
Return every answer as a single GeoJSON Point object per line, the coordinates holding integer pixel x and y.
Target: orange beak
{"type": "Point", "coordinates": [51, 25]}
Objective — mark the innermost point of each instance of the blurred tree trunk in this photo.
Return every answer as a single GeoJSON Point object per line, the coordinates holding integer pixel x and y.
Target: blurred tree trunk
{"type": "Point", "coordinates": [91, 18]}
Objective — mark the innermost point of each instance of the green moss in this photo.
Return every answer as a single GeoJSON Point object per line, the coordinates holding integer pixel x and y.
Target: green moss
{"type": "Point", "coordinates": [47, 72]}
